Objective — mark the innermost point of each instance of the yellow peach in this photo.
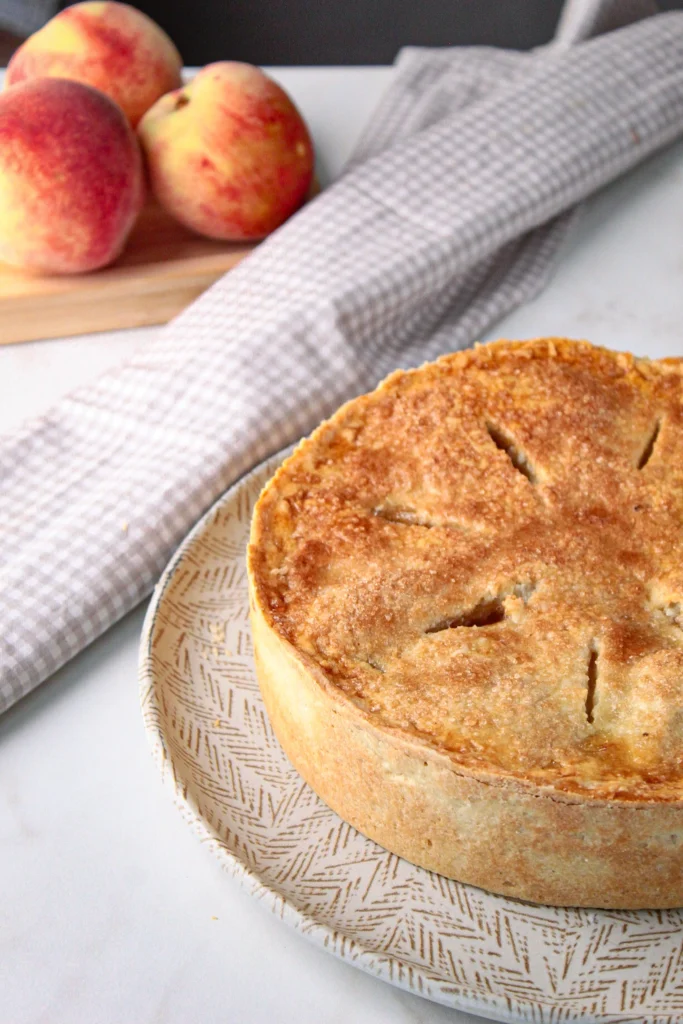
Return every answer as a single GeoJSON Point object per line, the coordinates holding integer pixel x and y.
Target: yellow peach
{"type": "Point", "coordinates": [229, 155]}
{"type": "Point", "coordinates": [110, 46]}
{"type": "Point", "coordinates": [71, 177]}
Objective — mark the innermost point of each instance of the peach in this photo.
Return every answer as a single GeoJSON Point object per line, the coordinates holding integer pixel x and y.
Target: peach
{"type": "Point", "coordinates": [111, 46]}
{"type": "Point", "coordinates": [228, 155]}
{"type": "Point", "coordinates": [71, 177]}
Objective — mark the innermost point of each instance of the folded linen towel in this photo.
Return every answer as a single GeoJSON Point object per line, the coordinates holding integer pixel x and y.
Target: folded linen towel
{"type": "Point", "coordinates": [449, 216]}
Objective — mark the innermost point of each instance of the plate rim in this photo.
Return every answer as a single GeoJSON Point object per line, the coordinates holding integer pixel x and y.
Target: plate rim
{"type": "Point", "coordinates": [317, 932]}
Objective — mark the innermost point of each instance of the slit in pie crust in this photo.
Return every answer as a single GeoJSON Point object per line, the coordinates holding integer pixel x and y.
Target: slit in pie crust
{"type": "Point", "coordinates": [466, 592]}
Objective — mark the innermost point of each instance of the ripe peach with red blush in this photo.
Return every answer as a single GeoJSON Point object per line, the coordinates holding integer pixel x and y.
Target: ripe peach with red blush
{"type": "Point", "coordinates": [229, 155]}
{"type": "Point", "coordinates": [110, 46]}
{"type": "Point", "coordinates": [71, 177]}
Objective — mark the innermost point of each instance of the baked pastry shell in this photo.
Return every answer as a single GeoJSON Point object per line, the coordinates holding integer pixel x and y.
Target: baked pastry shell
{"type": "Point", "coordinates": [501, 834]}
{"type": "Point", "coordinates": [509, 834]}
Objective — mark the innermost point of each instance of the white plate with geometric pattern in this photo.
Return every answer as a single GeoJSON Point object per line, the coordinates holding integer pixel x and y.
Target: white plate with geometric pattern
{"type": "Point", "coordinates": [452, 943]}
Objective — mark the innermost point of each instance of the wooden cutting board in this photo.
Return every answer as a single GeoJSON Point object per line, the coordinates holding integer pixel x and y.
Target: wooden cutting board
{"type": "Point", "coordinates": [164, 267]}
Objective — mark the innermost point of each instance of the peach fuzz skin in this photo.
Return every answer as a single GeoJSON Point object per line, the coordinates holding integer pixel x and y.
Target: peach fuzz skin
{"type": "Point", "coordinates": [228, 155]}
{"type": "Point", "coordinates": [71, 177]}
{"type": "Point", "coordinates": [110, 46]}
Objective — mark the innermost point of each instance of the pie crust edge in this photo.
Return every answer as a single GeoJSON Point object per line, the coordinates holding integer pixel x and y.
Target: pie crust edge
{"type": "Point", "coordinates": [504, 834]}
{"type": "Point", "coordinates": [509, 838]}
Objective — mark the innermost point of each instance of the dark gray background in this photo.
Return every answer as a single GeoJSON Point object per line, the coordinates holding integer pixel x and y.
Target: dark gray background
{"type": "Point", "coordinates": [347, 31]}
{"type": "Point", "coordinates": [319, 31]}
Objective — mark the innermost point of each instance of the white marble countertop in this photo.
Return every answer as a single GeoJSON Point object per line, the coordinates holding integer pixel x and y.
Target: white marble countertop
{"type": "Point", "coordinates": [111, 912]}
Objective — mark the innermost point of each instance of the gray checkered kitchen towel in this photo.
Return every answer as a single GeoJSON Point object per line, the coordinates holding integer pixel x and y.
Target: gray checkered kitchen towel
{"type": "Point", "coordinates": [449, 216]}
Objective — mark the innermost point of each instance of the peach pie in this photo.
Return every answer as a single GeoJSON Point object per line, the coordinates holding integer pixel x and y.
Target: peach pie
{"type": "Point", "coordinates": [466, 597]}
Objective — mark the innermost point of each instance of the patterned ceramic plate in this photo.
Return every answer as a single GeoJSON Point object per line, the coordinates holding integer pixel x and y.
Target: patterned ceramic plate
{"type": "Point", "coordinates": [450, 942]}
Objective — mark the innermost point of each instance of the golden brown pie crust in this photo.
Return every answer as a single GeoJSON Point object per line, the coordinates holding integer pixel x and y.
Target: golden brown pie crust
{"type": "Point", "coordinates": [466, 593]}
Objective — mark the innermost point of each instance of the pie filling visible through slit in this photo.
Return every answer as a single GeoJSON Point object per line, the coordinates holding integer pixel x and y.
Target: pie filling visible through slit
{"type": "Point", "coordinates": [487, 554]}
